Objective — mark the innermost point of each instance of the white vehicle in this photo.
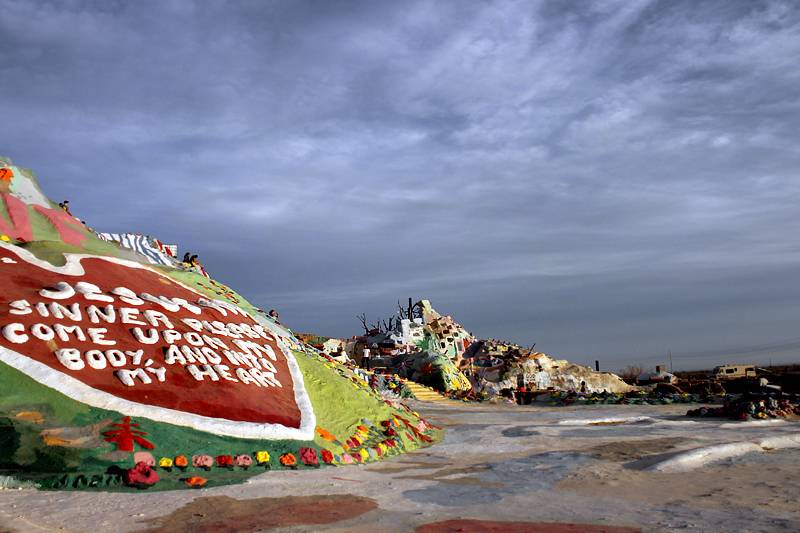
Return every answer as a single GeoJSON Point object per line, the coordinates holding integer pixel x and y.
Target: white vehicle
{"type": "Point", "coordinates": [733, 372]}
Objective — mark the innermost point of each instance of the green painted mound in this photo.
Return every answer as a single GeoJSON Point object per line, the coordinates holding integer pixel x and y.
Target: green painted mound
{"type": "Point", "coordinates": [117, 373]}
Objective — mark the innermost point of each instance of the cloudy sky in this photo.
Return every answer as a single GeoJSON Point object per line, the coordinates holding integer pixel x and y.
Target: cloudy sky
{"type": "Point", "coordinates": [610, 180]}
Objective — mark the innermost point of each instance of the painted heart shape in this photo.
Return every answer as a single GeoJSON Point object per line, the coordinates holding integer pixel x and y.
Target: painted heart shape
{"type": "Point", "coordinates": [119, 335]}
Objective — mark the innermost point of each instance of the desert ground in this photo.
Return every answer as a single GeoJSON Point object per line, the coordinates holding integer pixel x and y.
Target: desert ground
{"type": "Point", "coordinates": [604, 468]}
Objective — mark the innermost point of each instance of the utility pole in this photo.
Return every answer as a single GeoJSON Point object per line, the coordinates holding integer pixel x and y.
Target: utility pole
{"type": "Point", "coordinates": [670, 361]}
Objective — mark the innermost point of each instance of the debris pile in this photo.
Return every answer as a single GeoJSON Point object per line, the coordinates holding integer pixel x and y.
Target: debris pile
{"type": "Point", "coordinates": [506, 365]}
{"type": "Point", "coordinates": [432, 349]}
{"type": "Point", "coordinates": [751, 408]}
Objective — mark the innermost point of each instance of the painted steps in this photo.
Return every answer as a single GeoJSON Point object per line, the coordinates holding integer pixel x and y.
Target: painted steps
{"type": "Point", "coordinates": [425, 394]}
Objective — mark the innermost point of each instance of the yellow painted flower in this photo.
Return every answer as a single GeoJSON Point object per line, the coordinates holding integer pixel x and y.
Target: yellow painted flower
{"type": "Point", "coordinates": [165, 462]}
{"type": "Point", "coordinates": [364, 454]}
{"type": "Point", "coordinates": [5, 238]}
{"type": "Point", "coordinates": [262, 457]}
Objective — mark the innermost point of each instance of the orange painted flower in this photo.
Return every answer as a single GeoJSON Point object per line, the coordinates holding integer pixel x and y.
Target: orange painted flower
{"type": "Point", "coordinates": [325, 434]}
{"type": "Point", "coordinates": [288, 459]}
{"type": "Point", "coordinates": [196, 481]}
{"type": "Point", "coordinates": [181, 461]}
{"type": "Point", "coordinates": [6, 174]}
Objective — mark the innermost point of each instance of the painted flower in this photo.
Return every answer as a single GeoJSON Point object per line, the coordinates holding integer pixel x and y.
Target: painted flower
{"type": "Point", "coordinates": [288, 459]}
{"type": "Point", "coordinates": [195, 481]}
{"type": "Point", "coordinates": [243, 460]}
{"type": "Point", "coordinates": [203, 461]}
{"type": "Point", "coordinates": [181, 461]}
{"type": "Point", "coordinates": [225, 461]}
{"type": "Point", "coordinates": [346, 459]}
{"type": "Point", "coordinates": [141, 476]}
{"type": "Point", "coordinates": [325, 434]}
{"type": "Point", "coordinates": [144, 457]}
{"type": "Point", "coordinates": [165, 463]}
{"type": "Point", "coordinates": [309, 456]}
{"type": "Point", "coordinates": [327, 456]}
{"type": "Point", "coordinates": [262, 457]}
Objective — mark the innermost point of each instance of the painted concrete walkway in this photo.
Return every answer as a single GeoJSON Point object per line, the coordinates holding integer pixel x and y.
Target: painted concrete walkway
{"type": "Point", "coordinates": [588, 465]}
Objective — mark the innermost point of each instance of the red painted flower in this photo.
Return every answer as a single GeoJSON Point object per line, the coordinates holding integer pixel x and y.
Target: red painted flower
{"type": "Point", "coordinates": [225, 461]}
{"type": "Point", "coordinates": [327, 456]}
{"type": "Point", "coordinates": [309, 456]}
{"type": "Point", "coordinates": [141, 476]}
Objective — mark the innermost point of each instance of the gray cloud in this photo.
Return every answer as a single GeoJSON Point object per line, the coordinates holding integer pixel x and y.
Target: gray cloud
{"type": "Point", "coordinates": [609, 180]}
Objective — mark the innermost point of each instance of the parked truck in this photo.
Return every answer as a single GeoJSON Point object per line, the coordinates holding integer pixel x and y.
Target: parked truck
{"type": "Point", "coordinates": [726, 372]}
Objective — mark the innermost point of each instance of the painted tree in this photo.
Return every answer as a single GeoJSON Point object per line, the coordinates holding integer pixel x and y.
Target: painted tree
{"type": "Point", "coordinates": [125, 435]}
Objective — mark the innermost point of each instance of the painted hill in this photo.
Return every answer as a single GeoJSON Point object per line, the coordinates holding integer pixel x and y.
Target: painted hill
{"type": "Point", "coordinates": [112, 357]}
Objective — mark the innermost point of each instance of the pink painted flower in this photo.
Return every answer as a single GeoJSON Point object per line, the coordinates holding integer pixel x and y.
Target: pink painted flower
{"type": "Point", "coordinates": [203, 461]}
{"type": "Point", "coordinates": [144, 457]}
{"type": "Point", "coordinates": [243, 461]}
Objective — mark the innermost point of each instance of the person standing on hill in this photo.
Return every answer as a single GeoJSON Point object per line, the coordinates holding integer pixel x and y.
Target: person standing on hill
{"type": "Point", "coordinates": [65, 206]}
{"type": "Point", "coordinates": [365, 359]}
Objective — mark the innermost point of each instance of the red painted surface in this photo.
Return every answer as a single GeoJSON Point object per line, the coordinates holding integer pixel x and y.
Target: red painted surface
{"type": "Point", "coordinates": [180, 391]}
{"type": "Point", "coordinates": [20, 228]}
{"type": "Point", "coordinates": [489, 526]}
{"type": "Point", "coordinates": [68, 228]}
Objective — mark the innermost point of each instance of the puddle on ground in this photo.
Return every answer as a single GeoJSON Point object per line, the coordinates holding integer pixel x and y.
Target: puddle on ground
{"type": "Point", "coordinates": [520, 431]}
{"type": "Point", "coordinates": [632, 450]}
{"type": "Point", "coordinates": [533, 473]}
